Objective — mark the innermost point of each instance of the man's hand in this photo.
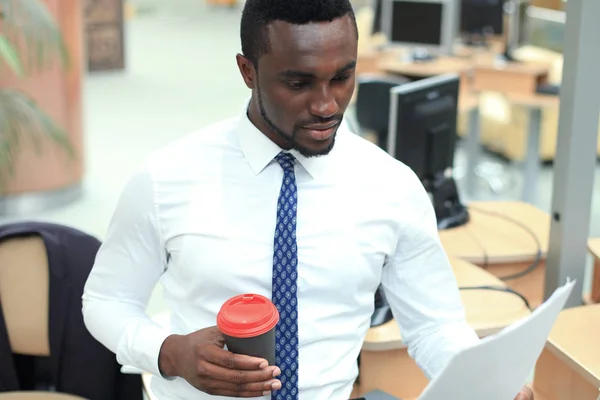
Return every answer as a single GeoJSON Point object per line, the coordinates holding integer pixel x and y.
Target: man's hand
{"type": "Point", "coordinates": [200, 359]}
{"type": "Point", "coordinates": [525, 394]}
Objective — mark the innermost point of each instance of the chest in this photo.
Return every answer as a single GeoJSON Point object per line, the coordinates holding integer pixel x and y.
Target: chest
{"type": "Point", "coordinates": [224, 241]}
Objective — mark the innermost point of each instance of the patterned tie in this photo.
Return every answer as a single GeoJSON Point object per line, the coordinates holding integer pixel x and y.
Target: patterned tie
{"type": "Point", "coordinates": [285, 274]}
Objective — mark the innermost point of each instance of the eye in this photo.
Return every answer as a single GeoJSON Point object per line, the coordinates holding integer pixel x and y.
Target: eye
{"type": "Point", "coordinates": [297, 85]}
{"type": "Point", "coordinates": [341, 78]}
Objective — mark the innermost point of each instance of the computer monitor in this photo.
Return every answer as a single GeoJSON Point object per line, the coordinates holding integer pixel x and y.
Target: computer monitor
{"type": "Point", "coordinates": [425, 25]}
{"type": "Point", "coordinates": [422, 135]}
{"type": "Point", "coordinates": [515, 11]}
{"type": "Point", "coordinates": [546, 28]}
{"type": "Point", "coordinates": [480, 19]}
{"type": "Point", "coordinates": [377, 6]}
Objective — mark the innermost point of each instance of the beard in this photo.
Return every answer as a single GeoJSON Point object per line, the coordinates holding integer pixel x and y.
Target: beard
{"type": "Point", "coordinates": [292, 138]}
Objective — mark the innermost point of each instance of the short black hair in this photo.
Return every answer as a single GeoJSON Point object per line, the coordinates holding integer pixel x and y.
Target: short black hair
{"type": "Point", "coordinates": [258, 14]}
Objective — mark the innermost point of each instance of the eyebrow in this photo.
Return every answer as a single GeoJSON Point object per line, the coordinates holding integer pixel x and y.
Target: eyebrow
{"type": "Point", "coordinates": [291, 73]}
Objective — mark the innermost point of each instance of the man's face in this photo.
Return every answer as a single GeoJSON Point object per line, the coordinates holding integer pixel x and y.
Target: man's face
{"type": "Point", "coordinates": [305, 82]}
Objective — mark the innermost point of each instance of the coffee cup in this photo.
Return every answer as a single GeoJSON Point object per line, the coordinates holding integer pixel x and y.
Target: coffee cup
{"type": "Point", "coordinates": [248, 323]}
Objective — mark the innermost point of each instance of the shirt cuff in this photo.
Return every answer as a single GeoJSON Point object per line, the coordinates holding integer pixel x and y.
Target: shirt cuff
{"type": "Point", "coordinates": [141, 347]}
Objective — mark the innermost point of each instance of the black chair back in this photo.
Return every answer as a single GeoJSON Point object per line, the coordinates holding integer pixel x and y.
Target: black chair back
{"type": "Point", "coordinates": [373, 103]}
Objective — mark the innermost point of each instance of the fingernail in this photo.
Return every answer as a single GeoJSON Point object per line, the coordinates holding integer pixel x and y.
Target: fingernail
{"type": "Point", "coordinates": [276, 372]}
{"type": "Point", "coordinates": [263, 365]}
{"type": "Point", "coordinates": [266, 393]}
{"type": "Point", "coordinates": [276, 385]}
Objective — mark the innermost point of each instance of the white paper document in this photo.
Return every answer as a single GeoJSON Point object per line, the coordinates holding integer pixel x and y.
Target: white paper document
{"type": "Point", "coordinates": [499, 366]}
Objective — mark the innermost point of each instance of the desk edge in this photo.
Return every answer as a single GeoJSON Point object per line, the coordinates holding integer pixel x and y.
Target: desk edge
{"type": "Point", "coordinates": [584, 372]}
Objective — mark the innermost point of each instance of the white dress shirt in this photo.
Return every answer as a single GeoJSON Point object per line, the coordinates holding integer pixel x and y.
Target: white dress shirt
{"type": "Point", "coordinates": [199, 217]}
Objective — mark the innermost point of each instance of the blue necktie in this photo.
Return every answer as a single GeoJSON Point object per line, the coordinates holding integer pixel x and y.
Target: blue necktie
{"type": "Point", "coordinates": [285, 275]}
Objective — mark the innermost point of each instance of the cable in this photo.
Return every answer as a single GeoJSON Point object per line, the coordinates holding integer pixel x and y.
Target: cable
{"type": "Point", "coordinates": [499, 289]}
{"type": "Point", "coordinates": [538, 257]}
{"type": "Point", "coordinates": [486, 261]}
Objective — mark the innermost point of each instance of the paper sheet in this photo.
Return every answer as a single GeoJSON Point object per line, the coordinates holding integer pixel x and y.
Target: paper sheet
{"type": "Point", "coordinates": [499, 366]}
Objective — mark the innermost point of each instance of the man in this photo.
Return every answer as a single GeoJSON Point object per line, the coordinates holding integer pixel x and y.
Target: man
{"type": "Point", "coordinates": [206, 215]}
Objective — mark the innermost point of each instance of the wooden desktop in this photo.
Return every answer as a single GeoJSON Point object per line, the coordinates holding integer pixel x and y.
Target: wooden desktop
{"type": "Point", "coordinates": [480, 71]}
{"type": "Point", "coordinates": [504, 238]}
{"type": "Point", "coordinates": [385, 363]}
{"type": "Point", "coordinates": [395, 63]}
{"type": "Point", "coordinates": [569, 366]}
{"type": "Point", "coordinates": [230, 3]}
{"type": "Point", "coordinates": [509, 77]}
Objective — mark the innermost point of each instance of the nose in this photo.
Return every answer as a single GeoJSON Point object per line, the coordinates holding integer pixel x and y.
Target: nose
{"type": "Point", "coordinates": [323, 103]}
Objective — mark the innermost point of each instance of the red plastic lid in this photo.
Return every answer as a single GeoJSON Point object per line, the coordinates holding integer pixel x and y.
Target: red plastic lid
{"type": "Point", "coordinates": [247, 315]}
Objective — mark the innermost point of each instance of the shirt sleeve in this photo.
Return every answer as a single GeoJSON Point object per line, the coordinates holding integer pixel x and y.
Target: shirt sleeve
{"type": "Point", "coordinates": [422, 291]}
{"type": "Point", "coordinates": [128, 266]}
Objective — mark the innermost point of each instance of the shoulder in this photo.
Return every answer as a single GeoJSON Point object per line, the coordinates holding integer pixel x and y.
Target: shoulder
{"type": "Point", "coordinates": [371, 163]}
{"type": "Point", "coordinates": [383, 180]}
{"type": "Point", "coordinates": [169, 176]}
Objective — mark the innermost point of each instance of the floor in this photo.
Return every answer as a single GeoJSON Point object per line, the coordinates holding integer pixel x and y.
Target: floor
{"type": "Point", "coordinates": [181, 74]}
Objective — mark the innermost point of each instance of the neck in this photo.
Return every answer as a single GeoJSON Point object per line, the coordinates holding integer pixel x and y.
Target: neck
{"type": "Point", "coordinates": [259, 122]}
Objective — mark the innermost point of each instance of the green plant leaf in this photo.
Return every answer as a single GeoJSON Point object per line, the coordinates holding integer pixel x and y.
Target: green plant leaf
{"type": "Point", "coordinates": [22, 121]}
{"type": "Point", "coordinates": [11, 56]}
{"type": "Point", "coordinates": [34, 34]}
{"type": "Point", "coordinates": [30, 42]}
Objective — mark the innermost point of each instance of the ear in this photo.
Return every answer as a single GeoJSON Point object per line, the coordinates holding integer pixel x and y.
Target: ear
{"type": "Point", "coordinates": [247, 70]}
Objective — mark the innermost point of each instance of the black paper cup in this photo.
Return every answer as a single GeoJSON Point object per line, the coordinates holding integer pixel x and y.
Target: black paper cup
{"type": "Point", "coordinates": [248, 323]}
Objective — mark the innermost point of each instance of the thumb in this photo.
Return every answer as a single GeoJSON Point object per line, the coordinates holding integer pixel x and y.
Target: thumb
{"type": "Point", "coordinates": [216, 336]}
{"type": "Point", "coordinates": [525, 394]}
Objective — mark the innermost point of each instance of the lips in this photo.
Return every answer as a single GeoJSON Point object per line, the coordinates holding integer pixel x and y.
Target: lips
{"type": "Point", "coordinates": [321, 132]}
{"type": "Point", "coordinates": [321, 127]}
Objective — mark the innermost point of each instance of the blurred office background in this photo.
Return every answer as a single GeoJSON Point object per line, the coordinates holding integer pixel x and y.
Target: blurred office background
{"type": "Point", "coordinates": [144, 73]}
{"type": "Point", "coordinates": [155, 71]}
{"type": "Point", "coordinates": [178, 73]}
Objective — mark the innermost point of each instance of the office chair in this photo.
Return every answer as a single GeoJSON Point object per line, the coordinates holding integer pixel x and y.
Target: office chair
{"type": "Point", "coordinates": [381, 315]}
{"type": "Point", "coordinates": [45, 346]}
{"type": "Point", "coordinates": [382, 312]}
{"type": "Point", "coordinates": [38, 396]}
{"type": "Point", "coordinates": [24, 295]}
{"type": "Point", "coordinates": [372, 108]}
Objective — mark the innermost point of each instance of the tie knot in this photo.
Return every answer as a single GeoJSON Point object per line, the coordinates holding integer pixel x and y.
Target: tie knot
{"type": "Point", "coordinates": [286, 160]}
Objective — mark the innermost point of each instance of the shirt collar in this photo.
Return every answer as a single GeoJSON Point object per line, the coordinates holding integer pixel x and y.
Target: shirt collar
{"type": "Point", "coordinates": [259, 150]}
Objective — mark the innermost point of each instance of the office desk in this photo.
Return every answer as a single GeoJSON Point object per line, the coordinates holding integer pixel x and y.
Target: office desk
{"type": "Point", "coordinates": [230, 3]}
{"type": "Point", "coordinates": [518, 82]}
{"type": "Point", "coordinates": [594, 247]}
{"type": "Point", "coordinates": [385, 363]}
{"type": "Point", "coordinates": [500, 237]}
{"type": "Point", "coordinates": [569, 366]}
{"type": "Point", "coordinates": [394, 63]}
{"type": "Point", "coordinates": [509, 77]}
{"type": "Point", "coordinates": [468, 102]}
{"type": "Point", "coordinates": [534, 103]}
